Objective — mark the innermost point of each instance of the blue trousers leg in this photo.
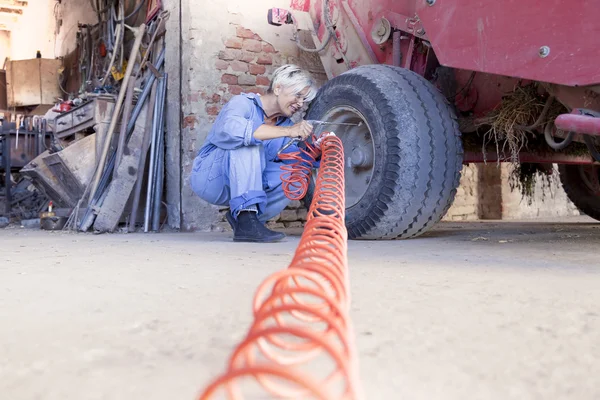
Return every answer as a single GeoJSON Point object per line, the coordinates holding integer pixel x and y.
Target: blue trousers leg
{"type": "Point", "coordinates": [241, 179]}
{"type": "Point", "coordinates": [276, 200]}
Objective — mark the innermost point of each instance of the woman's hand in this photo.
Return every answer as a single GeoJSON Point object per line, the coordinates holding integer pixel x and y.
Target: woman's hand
{"type": "Point", "coordinates": [301, 130]}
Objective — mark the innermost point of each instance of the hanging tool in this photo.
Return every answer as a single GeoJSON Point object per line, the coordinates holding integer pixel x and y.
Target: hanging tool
{"type": "Point", "coordinates": [316, 122]}
{"type": "Point", "coordinates": [288, 144]}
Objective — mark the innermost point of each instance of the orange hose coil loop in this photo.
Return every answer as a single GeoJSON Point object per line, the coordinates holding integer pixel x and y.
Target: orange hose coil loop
{"type": "Point", "coordinates": [301, 313]}
{"type": "Point", "coordinates": [297, 173]}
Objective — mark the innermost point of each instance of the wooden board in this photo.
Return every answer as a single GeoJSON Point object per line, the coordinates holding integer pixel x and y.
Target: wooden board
{"type": "Point", "coordinates": [43, 178]}
{"type": "Point", "coordinates": [74, 166]}
{"type": "Point", "coordinates": [124, 177]}
{"type": "Point", "coordinates": [32, 82]}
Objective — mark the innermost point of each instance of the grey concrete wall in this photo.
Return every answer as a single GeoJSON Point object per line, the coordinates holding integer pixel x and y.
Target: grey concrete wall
{"type": "Point", "coordinates": [173, 67]}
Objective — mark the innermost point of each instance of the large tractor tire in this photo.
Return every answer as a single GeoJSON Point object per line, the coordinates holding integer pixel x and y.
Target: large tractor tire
{"type": "Point", "coordinates": [403, 163]}
{"type": "Point", "coordinates": [582, 185]}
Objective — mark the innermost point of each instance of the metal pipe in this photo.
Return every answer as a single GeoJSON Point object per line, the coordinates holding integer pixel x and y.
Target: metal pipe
{"type": "Point", "coordinates": [142, 162]}
{"type": "Point", "coordinates": [158, 185]}
{"type": "Point", "coordinates": [578, 123]}
{"type": "Point", "coordinates": [158, 181]}
{"type": "Point", "coordinates": [139, 35]}
{"type": "Point", "coordinates": [145, 92]}
{"type": "Point", "coordinates": [124, 121]}
{"type": "Point", "coordinates": [155, 128]}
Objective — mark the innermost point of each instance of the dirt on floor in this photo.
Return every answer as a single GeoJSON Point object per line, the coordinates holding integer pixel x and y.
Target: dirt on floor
{"type": "Point", "coordinates": [490, 310]}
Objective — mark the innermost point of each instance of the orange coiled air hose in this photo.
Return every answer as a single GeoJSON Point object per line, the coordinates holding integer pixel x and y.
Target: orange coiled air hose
{"type": "Point", "coordinates": [297, 171]}
{"type": "Point", "coordinates": [301, 329]}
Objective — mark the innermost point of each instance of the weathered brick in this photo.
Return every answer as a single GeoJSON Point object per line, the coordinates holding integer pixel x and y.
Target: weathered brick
{"type": "Point", "coordinates": [193, 97]}
{"type": "Point", "coordinates": [252, 45]}
{"type": "Point", "coordinates": [294, 224]}
{"type": "Point", "coordinates": [190, 121]}
{"type": "Point", "coordinates": [288, 215]}
{"type": "Point", "coordinates": [247, 79]}
{"type": "Point", "coordinates": [247, 57]}
{"type": "Point", "coordinates": [276, 225]}
{"type": "Point", "coordinates": [229, 54]}
{"type": "Point", "coordinates": [294, 204]}
{"type": "Point", "coordinates": [263, 80]}
{"type": "Point", "coordinates": [235, 89]}
{"type": "Point", "coordinates": [302, 214]}
{"type": "Point", "coordinates": [213, 110]}
{"type": "Point", "coordinates": [229, 79]}
{"type": "Point", "coordinates": [239, 66]}
{"type": "Point", "coordinates": [233, 43]}
{"type": "Point", "coordinates": [221, 65]}
{"type": "Point", "coordinates": [257, 69]}
{"type": "Point", "coordinates": [216, 98]}
{"type": "Point", "coordinates": [265, 59]}
{"type": "Point", "coordinates": [244, 33]}
{"type": "Point", "coordinates": [268, 48]}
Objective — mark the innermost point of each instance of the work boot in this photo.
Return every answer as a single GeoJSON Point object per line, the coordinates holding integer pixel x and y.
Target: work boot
{"type": "Point", "coordinates": [249, 229]}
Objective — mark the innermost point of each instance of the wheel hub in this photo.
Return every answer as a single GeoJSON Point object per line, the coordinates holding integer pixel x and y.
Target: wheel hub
{"type": "Point", "coordinates": [358, 149]}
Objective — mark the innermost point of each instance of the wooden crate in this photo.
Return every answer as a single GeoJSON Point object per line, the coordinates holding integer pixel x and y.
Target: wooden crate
{"type": "Point", "coordinates": [32, 82]}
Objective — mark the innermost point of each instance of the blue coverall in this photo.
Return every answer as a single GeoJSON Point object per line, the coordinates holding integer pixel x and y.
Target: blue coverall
{"type": "Point", "coordinates": [234, 168]}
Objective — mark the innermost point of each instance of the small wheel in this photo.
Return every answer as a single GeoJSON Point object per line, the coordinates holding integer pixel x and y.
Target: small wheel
{"type": "Point", "coordinates": [403, 163]}
{"type": "Point", "coordinates": [582, 185]}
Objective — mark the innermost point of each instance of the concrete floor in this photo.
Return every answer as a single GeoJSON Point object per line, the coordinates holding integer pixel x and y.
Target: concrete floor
{"type": "Point", "coordinates": [471, 311]}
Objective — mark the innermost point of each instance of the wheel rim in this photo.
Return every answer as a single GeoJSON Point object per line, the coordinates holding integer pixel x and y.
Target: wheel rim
{"type": "Point", "coordinates": [359, 150]}
{"type": "Point", "coordinates": [590, 174]}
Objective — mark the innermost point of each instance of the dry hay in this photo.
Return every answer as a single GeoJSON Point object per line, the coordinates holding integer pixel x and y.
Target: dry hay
{"type": "Point", "coordinates": [510, 127]}
{"type": "Point", "coordinates": [512, 122]}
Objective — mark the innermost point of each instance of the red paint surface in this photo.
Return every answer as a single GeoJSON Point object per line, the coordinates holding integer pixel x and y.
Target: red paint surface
{"type": "Point", "coordinates": [504, 37]}
{"type": "Point", "coordinates": [496, 37]}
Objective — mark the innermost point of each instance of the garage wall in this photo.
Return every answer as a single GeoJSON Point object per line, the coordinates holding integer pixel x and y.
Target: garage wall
{"type": "Point", "coordinates": [4, 47]}
{"type": "Point", "coordinates": [488, 192]}
{"type": "Point", "coordinates": [68, 15]}
{"type": "Point", "coordinates": [35, 31]}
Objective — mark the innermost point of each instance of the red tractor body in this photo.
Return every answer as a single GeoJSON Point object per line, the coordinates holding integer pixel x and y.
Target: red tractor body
{"type": "Point", "coordinates": [477, 54]}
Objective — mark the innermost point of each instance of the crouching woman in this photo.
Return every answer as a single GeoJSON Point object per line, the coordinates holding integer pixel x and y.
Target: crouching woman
{"type": "Point", "coordinates": [238, 164]}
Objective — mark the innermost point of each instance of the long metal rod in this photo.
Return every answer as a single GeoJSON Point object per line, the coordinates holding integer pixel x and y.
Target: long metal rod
{"type": "Point", "coordinates": [136, 112]}
{"type": "Point", "coordinates": [154, 160]}
{"type": "Point", "coordinates": [150, 180]}
{"type": "Point", "coordinates": [142, 164]}
{"type": "Point", "coordinates": [158, 181]}
{"type": "Point", "coordinates": [139, 35]}
{"type": "Point", "coordinates": [158, 184]}
{"type": "Point", "coordinates": [124, 120]}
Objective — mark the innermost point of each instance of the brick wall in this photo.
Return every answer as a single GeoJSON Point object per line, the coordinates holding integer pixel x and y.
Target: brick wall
{"type": "Point", "coordinates": [466, 205]}
{"type": "Point", "coordinates": [549, 199]}
{"type": "Point", "coordinates": [245, 64]}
